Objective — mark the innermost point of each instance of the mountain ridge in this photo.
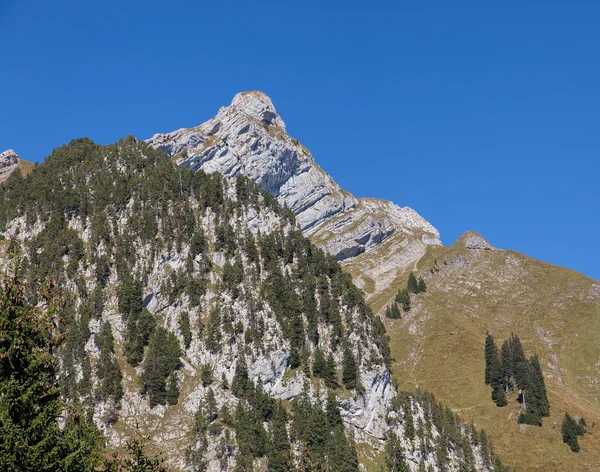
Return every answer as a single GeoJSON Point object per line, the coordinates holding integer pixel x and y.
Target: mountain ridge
{"type": "Point", "coordinates": [249, 137]}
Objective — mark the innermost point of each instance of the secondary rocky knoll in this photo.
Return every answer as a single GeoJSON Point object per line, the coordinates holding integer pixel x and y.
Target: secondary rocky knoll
{"type": "Point", "coordinates": [9, 161]}
{"type": "Point", "coordinates": [249, 137]}
{"type": "Point", "coordinates": [473, 287]}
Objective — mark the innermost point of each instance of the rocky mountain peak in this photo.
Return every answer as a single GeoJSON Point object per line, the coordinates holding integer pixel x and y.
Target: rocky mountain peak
{"type": "Point", "coordinates": [8, 157]}
{"type": "Point", "coordinates": [258, 105]}
{"type": "Point", "coordinates": [9, 161]}
{"type": "Point", "coordinates": [250, 138]}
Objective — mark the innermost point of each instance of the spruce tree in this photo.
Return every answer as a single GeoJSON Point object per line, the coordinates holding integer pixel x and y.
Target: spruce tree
{"type": "Point", "coordinates": [349, 370]}
{"type": "Point", "coordinates": [392, 311]}
{"type": "Point", "coordinates": [422, 285]}
{"type": "Point", "coordinates": [30, 404]}
{"type": "Point", "coordinates": [490, 349]}
{"type": "Point", "coordinates": [172, 390]}
{"type": "Point", "coordinates": [394, 455]}
{"type": "Point", "coordinates": [403, 298]}
{"type": "Point", "coordinates": [279, 451]}
{"type": "Point", "coordinates": [412, 285]}
{"type": "Point", "coordinates": [493, 371]}
{"type": "Point", "coordinates": [569, 431]}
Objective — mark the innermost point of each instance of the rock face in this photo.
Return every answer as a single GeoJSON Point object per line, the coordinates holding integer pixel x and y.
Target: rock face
{"type": "Point", "coordinates": [249, 137]}
{"type": "Point", "coordinates": [9, 161]}
{"type": "Point", "coordinates": [473, 240]}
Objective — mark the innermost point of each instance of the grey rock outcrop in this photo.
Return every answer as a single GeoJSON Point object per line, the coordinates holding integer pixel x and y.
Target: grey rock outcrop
{"type": "Point", "coordinates": [473, 240]}
{"type": "Point", "coordinates": [9, 161]}
{"type": "Point", "coordinates": [249, 137]}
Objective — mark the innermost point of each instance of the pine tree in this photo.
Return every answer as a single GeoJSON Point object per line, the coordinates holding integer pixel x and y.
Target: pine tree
{"type": "Point", "coordinates": [319, 363]}
{"type": "Point", "coordinates": [184, 326]}
{"type": "Point", "coordinates": [493, 371]}
{"type": "Point", "coordinates": [30, 404]}
{"type": "Point", "coordinates": [490, 349]}
{"type": "Point", "coordinates": [349, 370]}
{"type": "Point", "coordinates": [137, 461]}
{"type": "Point", "coordinates": [412, 286]}
{"type": "Point", "coordinates": [394, 455]}
{"type": "Point", "coordinates": [403, 298]}
{"type": "Point", "coordinates": [172, 390]}
{"type": "Point", "coordinates": [392, 311]}
{"type": "Point", "coordinates": [569, 432]}
{"type": "Point", "coordinates": [330, 374]}
{"type": "Point", "coordinates": [279, 451]}
{"type": "Point", "coordinates": [241, 384]}
{"type": "Point", "coordinates": [422, 285]}
{"type": "Point", "coordinates": [162, 359]}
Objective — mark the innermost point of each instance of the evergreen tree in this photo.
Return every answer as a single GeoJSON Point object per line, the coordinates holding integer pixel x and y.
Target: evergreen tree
{"type": "Point", "coordinates": [569, 432]}
{"type": "Point", "coordinates": [403, 298]}
{"type": "Point", "coordinates": [394, 455]}
{"type": "Point", "coordinates": [330, 374]}
{"type": "Point", "coordinates": [422, 285]}
{"type": "Point", "coordinates": [172, 390]}
{"type": "Point", "coordinates": [490, 350]}
{"type": "Point", "coordinates": [184, 326]}
{"type": "Point", "coordinates": [392, 311]}
{"type": "Point", "coordinates": [349, 370]}
{"type": "Point", "coordinates": [319, 363]}
{"type": "Point", "coordinates": [412, 286]}
{"type": "Point", "coordinates": [241, 384]}
{"type": "Point", "coordinates": [280, 451]}
{"type": "Point", "coordinates": [30, 404]}
{"type": "Point", "coordinates": [162, 359]}
{"type": "Point", "coordinates": [493, 371]}
{"type": "Point", "coordinates": [137, 461]}
{"type": "Point", "coordinates": [107, 370]}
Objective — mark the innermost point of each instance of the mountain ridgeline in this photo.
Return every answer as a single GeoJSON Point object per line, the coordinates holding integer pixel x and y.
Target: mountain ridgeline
{"type": "Point", "coordinates": [195, 309]}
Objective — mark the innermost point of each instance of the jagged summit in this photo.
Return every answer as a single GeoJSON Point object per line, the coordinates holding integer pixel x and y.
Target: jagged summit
{"type": "Point", "coordinates": [9, 161]}
{"type": "Point", "coordinates": [259, 106]}
{"type": "Point", "coordinates": [249, 137]}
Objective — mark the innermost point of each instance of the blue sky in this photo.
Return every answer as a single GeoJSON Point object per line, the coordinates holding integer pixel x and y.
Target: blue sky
{"type": "Point", "coordinates": [480, 115]}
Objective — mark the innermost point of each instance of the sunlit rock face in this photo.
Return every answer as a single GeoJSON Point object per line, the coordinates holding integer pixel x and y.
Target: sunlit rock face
{"type": "Point", "coordinates": [9, 161]}
{"type": "Point", "coordinates": [249, 137]}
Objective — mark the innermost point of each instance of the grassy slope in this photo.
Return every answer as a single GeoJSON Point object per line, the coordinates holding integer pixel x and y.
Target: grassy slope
{"type": "Point", "coordinates": [25, 167]}
{"type": "Point", "coordinates": [556, 313]}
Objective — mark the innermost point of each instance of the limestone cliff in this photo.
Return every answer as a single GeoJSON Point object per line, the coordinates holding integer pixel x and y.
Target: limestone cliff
{"type": "Point", "coordinates": [249, 137]}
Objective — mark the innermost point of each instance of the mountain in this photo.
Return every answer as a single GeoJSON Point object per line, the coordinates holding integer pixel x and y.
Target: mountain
{"type": "Point", "coordinates": [195, 310]}
{"type": "Point", "coordinates": [471, 286]}
{"type": "Point", "coordinates": [250, 138]}
{"type": "Point", "coordinates": [439, 344]}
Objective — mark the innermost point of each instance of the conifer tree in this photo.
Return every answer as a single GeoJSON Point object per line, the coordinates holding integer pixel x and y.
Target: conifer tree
{"type": "Point", "coordinates": [412, 285]}
{"type": "Point", "coordinates": [240, 385]}
{"type": "Point", "coordinates": [162, 359]}
{"type": "Point", "coordinates": [279, 453]}
{"type": "Point", "coordinates": [349, 370]}
{"type": "Point", "coordinates": [392, 311]}
{"type": "Point", "coordinates": [422, 285]}
{"type": "Point", "coordinates": [403, 298]}
{"type": "Point", "coordinates": [493, 371]}
{"type": "Point", "coordinates": [394, 455]}
{"type": "Point", "coordinates": [330, 374]}
{"type": "Point", "coordinates": [569, 431]}
{"type": "Point", "coordinates": [30, 404]}
{"type": "Point", "coordinates": [172, 390]}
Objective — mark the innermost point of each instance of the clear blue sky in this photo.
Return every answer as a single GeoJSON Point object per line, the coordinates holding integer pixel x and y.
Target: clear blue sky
{"type": "Point", "coordinates": [480, 115]}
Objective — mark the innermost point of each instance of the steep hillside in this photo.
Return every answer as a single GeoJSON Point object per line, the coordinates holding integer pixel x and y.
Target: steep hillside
{"type": "Point", "coordinates": [195, 309]}
{"type": "Point", "coordinates": [471, 288]}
